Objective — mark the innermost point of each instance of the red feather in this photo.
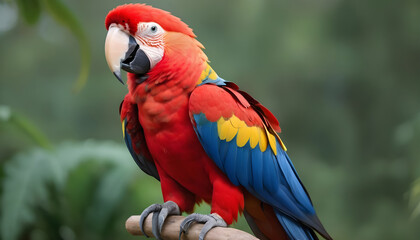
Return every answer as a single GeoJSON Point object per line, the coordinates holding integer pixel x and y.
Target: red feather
{"type": "Point", "coordinates": [132, 14]}
{"type": "Point", "coordinates": [247, 100]}
{"type": "Point", "coordinates": [187, 174]}
{"type": "Point", "coordinates": [223, 105]}
{"type": "Point", "coordinates": [161, 106]}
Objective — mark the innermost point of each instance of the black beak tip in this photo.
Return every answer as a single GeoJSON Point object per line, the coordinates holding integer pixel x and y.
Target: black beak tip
{"type": "Point", "coordinates": [118, 76]}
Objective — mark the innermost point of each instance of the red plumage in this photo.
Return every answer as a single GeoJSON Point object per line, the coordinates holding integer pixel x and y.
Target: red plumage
{"type": "Point", "coordinates": [132, 14]}
{"type": "Point", "coordinates": [159, 119]}
{"type": "Point", "coordinates": [188, 176]}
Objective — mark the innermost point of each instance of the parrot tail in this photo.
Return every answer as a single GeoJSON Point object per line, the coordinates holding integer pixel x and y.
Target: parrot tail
{"type": "Point", "coordinates": [294, 229]}
{"type": "Point", "coordinates": [269, 224]}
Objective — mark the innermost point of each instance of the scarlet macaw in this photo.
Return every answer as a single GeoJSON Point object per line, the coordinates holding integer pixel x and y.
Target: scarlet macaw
{"type": "Point", "coordinates": [199, 135]}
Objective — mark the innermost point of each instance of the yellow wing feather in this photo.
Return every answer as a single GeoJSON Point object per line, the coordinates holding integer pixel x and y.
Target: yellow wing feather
{"type": "Point", "coordinates": [227, 129]}
{"type": "Point", "coordinates": [254, 136]}
{"type": "Point", "coordinates": [243, 136]}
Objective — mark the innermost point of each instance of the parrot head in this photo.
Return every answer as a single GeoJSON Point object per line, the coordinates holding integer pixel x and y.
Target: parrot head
{"type": "Point", "coordinates": [141, 39]}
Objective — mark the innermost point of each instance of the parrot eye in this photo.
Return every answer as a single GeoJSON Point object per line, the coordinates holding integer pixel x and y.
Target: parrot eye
{"type": "Point", "coordinates": [153, 29]}
{"type": "Point", "coordinates": [149, 29]}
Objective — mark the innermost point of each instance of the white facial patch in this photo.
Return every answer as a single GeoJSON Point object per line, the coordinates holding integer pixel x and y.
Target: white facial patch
{"type": "Point", "coordinates": [154, 54]}
{"type": "Point", "coordinates": [149, 36]}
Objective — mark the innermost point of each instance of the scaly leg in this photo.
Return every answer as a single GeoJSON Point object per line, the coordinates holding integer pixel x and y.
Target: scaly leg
{"type": "Point", "coordinates": [210, 221]}
{"type": "Point", "coordinates": [160, 213]}
{"type": "Point", "coordinates": [177, 199]}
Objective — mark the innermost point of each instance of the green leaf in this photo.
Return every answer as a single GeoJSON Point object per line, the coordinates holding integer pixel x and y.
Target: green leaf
{"type": "Point", "coordinates": [25, 126]}
{"type": "Point", "coordinates": [414, 198]}
{"type": "Point", "coordinates": [23, 186]}
{"type": "Point", "coordinates": [64, 16]}
{"type": "Point", "coordinates": [30, 10]}
{"type": "Point", "coordinates": [29, 129]}
{"type": "Point", "coordinates": [109, 193]}
{"type": "Point", "coordinates": [29, 178]}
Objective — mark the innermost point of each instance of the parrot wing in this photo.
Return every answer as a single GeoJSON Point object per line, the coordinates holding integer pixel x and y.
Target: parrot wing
{"type": "Point", "coordinates": [238, 134]}
{"type": "Point", "coordinates": [134, 138]}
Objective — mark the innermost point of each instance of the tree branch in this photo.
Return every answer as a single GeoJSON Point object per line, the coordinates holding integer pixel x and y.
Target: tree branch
{"type": "Point", "coordinates": [170, 230]}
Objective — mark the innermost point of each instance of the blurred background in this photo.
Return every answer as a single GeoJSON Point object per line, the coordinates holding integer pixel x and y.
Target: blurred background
{"type": "Point", "coordinates": [341, 76]}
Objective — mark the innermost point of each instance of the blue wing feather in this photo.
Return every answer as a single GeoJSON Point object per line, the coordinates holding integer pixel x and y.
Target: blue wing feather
{"type": "Point", "coordinates": [270, 174]}
{"type": "Point", "coordinates": [230, 162]}
{"type": "Point", "coordinates": [293, 181]}
{"type": "Point", "coordinates": [207, 136]}
{"type": "Point", "coordinates": [270, 177]}
{"type": "Point", "coordinates": [257, 170]}
{"type": "Point", "coordinates": [245, 174]}
{"type": "Point", "coordinates": [145, 165]}
{"type": "Point", "coordinates": [132, 127]}
{"type": "Point", "coordinates": [294, 230]}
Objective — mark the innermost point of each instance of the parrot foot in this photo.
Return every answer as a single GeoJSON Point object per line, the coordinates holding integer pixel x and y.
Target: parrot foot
{"type": "Point", "coordinates": [160, 212]}
{"type": "Point", "coordinates": [210, 221]}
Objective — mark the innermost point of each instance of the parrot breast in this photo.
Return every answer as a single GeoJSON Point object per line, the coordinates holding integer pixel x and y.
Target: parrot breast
{"type": "Point", "coordinates": [172, 141]}
{"type": "Point", "coordinates": [163, 102]}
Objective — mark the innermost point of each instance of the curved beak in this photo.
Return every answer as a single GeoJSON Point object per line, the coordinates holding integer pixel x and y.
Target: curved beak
{"type": "Point", "coordinates": [123, 51]}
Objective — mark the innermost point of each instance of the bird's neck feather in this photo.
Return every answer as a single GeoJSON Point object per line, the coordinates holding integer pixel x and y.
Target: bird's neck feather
{"type": "Point", "coordinates": [170, 82]}
{"type": "Point", "coordinates": [181, 66]}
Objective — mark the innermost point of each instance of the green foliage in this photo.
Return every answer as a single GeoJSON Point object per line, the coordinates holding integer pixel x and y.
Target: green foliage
{"type": "Point", "coordinates": [31, 10]}
{"type": "Point", "coordinates": [7, 116]}
{"type": "Point", "coordinates": [64, 16]}
{"type": "Point", "coordinates": [341, 76]}
{"type": "Point", "coordinates": [77, 185]}
{"type": "Point", "coordinates": [407, 141]}
{"type": "Point", "coordinates": [414, 198]}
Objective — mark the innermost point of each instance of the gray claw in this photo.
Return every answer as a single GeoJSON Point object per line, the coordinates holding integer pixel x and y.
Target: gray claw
{"type": "Point", "coordinates": [145, 213]}
{"type": "Point", "coordinates": [168, 208]}
{"type": "Point", "coordinates": [210, 221]}
{"type": "Point", "coordinates": [160, 213]}
{"type": "Point", "coordinates": [155, 225]}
